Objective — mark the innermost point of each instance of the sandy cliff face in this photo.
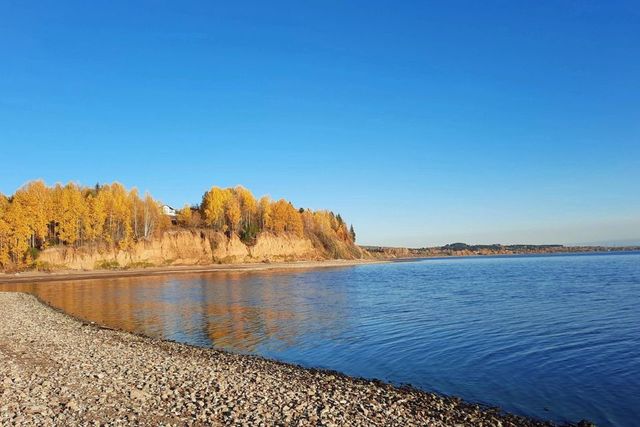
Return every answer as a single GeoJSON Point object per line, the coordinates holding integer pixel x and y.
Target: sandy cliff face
{"type": "Point", "coordinates": [272, 248]}
{"type": "Point", "coordinates": [186, 247]}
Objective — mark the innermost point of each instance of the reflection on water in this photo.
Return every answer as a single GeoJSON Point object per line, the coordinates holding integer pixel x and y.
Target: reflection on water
{"type": "Point", "coordinates": [554, 337]}
{"type": "Point", "coordinates": [238, 311]}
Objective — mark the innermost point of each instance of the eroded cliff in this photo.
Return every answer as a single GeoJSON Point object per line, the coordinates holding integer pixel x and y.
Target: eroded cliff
{"type": "Point", "coordinates": [191, 247]}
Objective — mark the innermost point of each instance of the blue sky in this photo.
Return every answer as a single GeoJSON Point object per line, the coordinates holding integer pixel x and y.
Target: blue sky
{"type": "Point", "coordinates": [422, 123]}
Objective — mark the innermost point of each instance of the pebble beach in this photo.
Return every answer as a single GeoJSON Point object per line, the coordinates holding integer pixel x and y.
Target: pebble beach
{"type": "Point", "coordinates": [57, 370]}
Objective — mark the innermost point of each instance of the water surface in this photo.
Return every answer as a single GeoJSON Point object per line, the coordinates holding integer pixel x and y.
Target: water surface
{"type": "Point", "coordinates": [555, 337]}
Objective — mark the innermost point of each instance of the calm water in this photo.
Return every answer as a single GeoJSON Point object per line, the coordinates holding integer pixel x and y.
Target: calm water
{"type": "Point", "coordinates": [555, 336]}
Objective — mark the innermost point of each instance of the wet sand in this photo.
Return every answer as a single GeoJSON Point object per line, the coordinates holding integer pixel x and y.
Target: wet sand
{"type": "Point", "coordinates": [64, 275]}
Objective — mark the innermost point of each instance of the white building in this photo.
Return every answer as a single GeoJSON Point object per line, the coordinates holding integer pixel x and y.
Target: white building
{"type": "Point", "coordinates": [168, 210]}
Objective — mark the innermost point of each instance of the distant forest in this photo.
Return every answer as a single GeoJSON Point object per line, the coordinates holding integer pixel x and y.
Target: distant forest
{"type": "Point", "coordinates": [38, 216]}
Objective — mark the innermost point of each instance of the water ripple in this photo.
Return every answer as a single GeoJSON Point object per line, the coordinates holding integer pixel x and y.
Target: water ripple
{"type": "Point", "coordinates": [554, 337]}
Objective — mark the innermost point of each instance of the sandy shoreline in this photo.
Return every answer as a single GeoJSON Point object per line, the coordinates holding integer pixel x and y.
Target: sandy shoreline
{"type": "Point", "coordinates": [63, 275]}
{"type": "Point", "coordinates": [57, 370]}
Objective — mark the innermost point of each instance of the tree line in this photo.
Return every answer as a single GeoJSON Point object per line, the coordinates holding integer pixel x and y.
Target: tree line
{"type": "Point", "coordinates": [38, 216]}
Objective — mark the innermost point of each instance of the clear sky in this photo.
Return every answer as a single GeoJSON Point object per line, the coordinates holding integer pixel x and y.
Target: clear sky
{"type": "Point", "coordinates": [420, 122]}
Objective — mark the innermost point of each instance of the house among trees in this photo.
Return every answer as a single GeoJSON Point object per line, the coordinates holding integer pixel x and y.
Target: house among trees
{"type": "Point", "coordinates": [169, 211]}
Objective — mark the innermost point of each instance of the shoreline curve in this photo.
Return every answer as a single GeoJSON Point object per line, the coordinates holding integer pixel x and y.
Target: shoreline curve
{"type": "Point", "coordinates": [86, 372]}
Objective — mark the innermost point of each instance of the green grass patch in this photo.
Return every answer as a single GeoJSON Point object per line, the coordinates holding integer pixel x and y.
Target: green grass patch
{"type": "Point", "coordinates": [107, 265]}
{"type": "Point", "coordinates": [48, 267]}
{"type": "Point", "coordinates": [140, 264]}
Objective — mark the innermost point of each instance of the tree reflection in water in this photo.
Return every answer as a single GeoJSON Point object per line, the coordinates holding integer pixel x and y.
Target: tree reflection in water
{"type": "Point", "coordinates": [238, 311]}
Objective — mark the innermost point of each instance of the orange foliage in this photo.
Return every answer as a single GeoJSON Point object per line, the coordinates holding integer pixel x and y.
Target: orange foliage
{"type": "Point", "coordinates": [37, 216]}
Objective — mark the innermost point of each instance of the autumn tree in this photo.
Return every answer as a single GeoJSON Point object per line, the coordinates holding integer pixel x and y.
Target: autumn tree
{"type": "Point", "coordinates": [286, 218]}
{"type": "Point", "coordinates": [294, 221]}
{"type": "Point", "coordinates": [279, 215]}
{"type": "Point", "coordinates": [71, 215]}
{"type": "Point", "coordinates": [19, 233]}
{"type": "Point", "coordinates": [151, 216]}
{"type": "Point", "coordinates": [4, 231]}
{"type": "Point", "coordinates": [212, 208]}
{"type": "Point", "coordinates": [96, 216]}
{"type": "Point", "coordinates": [137, 213]}
{"type": "Point", "coordinates": [117, 228]}
{"type": "Point", "coordinates": [34, 201]}
{"type": "Point", "coordinates": [248, 207]}
{"type": "Point", "coordinates": [232, 213]}
{"type": "Point", "coordinates": [37, 216]}
{"type": "Point", "coordinates": [265, 213]}
{"type": "Point", "coordinates": [185, 216]}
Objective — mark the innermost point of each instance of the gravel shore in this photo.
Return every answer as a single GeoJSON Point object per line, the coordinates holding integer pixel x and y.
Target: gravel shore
{"type": "Point", "coordinates": [55, 370]}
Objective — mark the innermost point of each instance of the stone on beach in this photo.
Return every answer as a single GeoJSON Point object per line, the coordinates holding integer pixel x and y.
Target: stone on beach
{"type": "Point", "coordinates": [55, 370]}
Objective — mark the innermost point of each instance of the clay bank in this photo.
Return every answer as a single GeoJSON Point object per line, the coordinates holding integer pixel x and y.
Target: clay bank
{"type": "Point", "coordinates": [193, 247]}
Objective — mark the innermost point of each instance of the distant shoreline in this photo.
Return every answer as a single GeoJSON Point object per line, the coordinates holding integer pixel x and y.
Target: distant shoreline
{"type": "Point", "coordinates": [465, 250]}
{"type": "Point", "coordinates": [31, 276]}
{"type": "Point", "coordinates": [506, 255]}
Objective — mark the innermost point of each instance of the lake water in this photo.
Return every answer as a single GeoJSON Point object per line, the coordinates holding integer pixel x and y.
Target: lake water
{"type": "Point", "coordinates": [555, 337]}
